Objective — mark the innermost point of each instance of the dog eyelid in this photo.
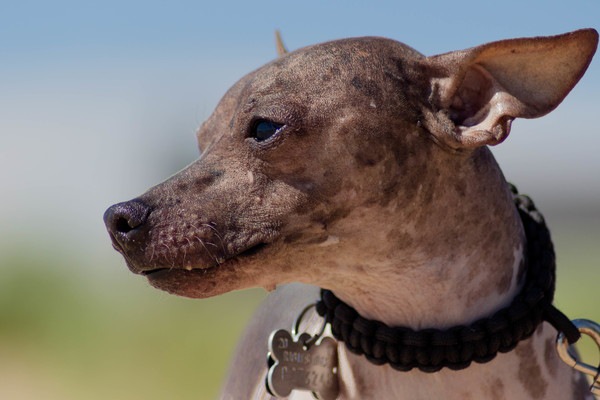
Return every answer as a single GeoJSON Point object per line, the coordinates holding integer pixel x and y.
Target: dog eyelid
{"type": "Point", "coordinates": [263, 129]}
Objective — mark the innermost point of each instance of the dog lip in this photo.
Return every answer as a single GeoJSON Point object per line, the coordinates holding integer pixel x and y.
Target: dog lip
{"type": "Point", "coordinates": [158, 271]}
{"type": "Point", "coordinates": [153, 271]}
{"type": "Point", "coordinates": [251, 251]}
{"type": "Point", "coordinates": [202, 282]}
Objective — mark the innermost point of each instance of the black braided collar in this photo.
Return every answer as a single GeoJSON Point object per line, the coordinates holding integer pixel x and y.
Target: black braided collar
{"type": "Point", "coordinates": [432, 349]}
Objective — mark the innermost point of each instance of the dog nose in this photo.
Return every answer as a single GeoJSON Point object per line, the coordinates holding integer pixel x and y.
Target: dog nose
{"type": "Point", "coordinates": [125, 220]}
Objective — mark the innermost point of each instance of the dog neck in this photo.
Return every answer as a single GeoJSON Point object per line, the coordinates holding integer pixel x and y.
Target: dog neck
{"type": "Point", "coordinates": [460, 257]}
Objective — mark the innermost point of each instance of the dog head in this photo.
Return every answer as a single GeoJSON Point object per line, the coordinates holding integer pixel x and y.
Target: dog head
{"type": "Point", "coordinates": [358, 146]}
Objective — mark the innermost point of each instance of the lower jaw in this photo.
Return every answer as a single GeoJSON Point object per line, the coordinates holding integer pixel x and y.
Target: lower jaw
{"type": "Point", "coordinates": [205, 282]}
{"type": "Point", "coordinates": [198, 283]}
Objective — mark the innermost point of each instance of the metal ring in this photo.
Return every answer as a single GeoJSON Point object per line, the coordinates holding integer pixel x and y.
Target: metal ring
{"type": "Point", "coordinates": [296, 327]}
{"type": "Point", "coordinates": [591, 329]}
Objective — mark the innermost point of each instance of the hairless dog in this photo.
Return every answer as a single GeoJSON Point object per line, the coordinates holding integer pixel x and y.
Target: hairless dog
{"type": "Point", "coordinates": [362, 166]}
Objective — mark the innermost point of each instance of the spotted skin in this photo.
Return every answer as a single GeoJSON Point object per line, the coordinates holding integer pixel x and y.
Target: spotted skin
{"type": "Point", "coordinates": [379, 186]}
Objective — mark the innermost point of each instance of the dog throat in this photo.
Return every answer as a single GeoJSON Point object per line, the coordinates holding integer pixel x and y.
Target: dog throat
{"type": "Point", "coordinates": [456, 348]}
{"type": "Point", "coordinates": [429, 350]}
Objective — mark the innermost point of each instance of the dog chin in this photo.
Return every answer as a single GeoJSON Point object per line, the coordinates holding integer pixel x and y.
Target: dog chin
{"type": "Point", "coordinates": [197, 283]}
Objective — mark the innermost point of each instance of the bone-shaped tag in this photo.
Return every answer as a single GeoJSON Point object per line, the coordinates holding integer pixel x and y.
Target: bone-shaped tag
{"type": "Point", "coordinates": [297, 366]}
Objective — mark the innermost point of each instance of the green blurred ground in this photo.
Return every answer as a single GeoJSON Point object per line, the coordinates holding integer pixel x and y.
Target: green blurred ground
{"type": "Point", "coordinates": [64, 335]}
{"type": "Point", "coordinates": [63, 338]}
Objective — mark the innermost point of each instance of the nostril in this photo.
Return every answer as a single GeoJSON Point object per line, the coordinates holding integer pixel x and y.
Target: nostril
{"type": "Point", "coordinates": [126, 217]}
{"type": "Point", "coordinates": [122, 225]}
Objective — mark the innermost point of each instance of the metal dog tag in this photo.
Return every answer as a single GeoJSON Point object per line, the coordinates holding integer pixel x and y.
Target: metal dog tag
{"type": "Point", "coordinates": [303, 362]}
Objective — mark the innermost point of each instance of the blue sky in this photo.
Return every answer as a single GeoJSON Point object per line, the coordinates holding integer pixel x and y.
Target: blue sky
{"type": "Point", "coordinates": [75, 30]}
{"type": "Point", "coordinates": [98, 101]}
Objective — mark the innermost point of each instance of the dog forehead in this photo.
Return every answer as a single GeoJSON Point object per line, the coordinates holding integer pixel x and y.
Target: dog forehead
{"type": "Point", "coordinates": [326, 75]}
{"type": "Point", "coordinates": [342, 57]}
{"type": "Point", "coordinates": [353, 49]}
{"type": "Point", "coordinates": [346, 73]}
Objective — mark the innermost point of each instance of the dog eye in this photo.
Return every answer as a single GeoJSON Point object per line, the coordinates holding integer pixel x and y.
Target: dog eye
{"type": "Point", "coordinates": [264, 129]}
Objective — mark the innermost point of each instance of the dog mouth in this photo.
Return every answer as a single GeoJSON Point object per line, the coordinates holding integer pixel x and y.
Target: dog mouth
{"type": "Point", "coordinates": [202, 282]}
{"type": "Point", "coordinates": [251, 251]}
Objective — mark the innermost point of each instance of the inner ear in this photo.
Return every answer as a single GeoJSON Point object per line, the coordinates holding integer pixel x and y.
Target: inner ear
{"type": "Point", "coordinates": [476, 93]}
{"type": "Point", "coordinates": [472, 100]}
{"type": "Point", "coordinates": [479, 110]}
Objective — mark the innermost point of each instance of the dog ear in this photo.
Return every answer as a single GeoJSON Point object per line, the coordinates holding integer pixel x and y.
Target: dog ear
{"type": "Point", "coordinates": [281, 50]}
{"type": "Point", "coordinates": [476, 93]}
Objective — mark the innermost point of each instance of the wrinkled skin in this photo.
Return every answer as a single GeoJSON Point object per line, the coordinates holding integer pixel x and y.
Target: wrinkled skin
{"type": "Point", "coordinates": [285, 192]}
{"type": "Point", "coordinates": [378, 186]}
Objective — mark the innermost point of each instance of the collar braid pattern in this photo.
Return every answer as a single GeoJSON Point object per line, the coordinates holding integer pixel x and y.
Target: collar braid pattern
{"type": "Point", "coordinates": [456, 348]}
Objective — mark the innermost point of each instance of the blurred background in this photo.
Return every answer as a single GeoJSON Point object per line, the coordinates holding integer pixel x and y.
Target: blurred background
{"type": "Point", "coordinates": [100, 100]}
